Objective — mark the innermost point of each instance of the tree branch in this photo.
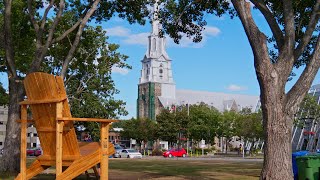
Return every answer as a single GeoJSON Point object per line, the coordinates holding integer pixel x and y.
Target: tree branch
{"type": "Point", "coordinates": [55, 23]}
{"type": "Point", "coordinates": [314, 19]}
{"type": "Point", "coordinates": [78, 36]}
{"type": "Point", "coordinates": [67, 32]}
{"type": "Point", "coordinates": [257, 39]}
{"type": "Point", "coordinates": [31, 14]}
{"type": "Point", "coordinates": [44, 18]}
{"type": "Point", "coordinates": [8, 42]}
{"type": "Point", "coordinates": [276, 31]}
{"type": "Point", "coordinates": [289, 28]}
{"type": "Point", "coordinates": [300, 88]}
{"type": "Point", "coordinates": [42, 50]}
{"type": "Point", "coordinates": [285, 60]}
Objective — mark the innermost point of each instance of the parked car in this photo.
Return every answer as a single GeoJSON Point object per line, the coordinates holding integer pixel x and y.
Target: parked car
{"type": "Point", "coordinates": [118, 150]}
{"type": "Point", "coordinates": [34, 152]}
{"type": "Point", "coordinates": [130, 153]}
{"type": "Point", "coordinates": [178, 152]}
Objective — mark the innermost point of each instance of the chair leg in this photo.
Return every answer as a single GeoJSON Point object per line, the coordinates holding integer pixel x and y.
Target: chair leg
{"type": "Point", "coordinates": [87, 174]}
{"type": "Point", "coordinates": [95, 170]}
{"type": "Point", "coordinates": [104, 156]}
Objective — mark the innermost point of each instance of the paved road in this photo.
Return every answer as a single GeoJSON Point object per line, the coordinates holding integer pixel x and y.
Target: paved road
{"type": "Point", "coordinates": [233, 159]}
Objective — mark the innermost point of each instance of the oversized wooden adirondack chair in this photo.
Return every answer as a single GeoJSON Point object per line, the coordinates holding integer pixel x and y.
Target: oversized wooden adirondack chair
{"type": "Point", "coordinates": [51, 115]}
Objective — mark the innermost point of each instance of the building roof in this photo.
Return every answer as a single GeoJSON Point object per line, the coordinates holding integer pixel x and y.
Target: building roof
{"type": "Point", "coordinates": [221, 101]}
{"type": "Point", "coordinates": [315, 88]}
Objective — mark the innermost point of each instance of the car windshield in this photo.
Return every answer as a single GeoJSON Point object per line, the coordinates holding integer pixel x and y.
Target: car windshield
{"type": "Point", "coordinates": [132, 151]}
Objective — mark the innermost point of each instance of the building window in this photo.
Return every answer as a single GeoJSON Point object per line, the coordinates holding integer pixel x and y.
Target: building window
{"type": "Point", "coordinates": [28, 134]}
{"type": "Point", "coordinates": [34, 144]}
{"type": "Point", "coordinates": [153, 44]}
{"type": "Point", "coordinates": [1, 143]}
{"type": "Point", "coordinates": [160, 71]}
{"type": "Point", "coordinates": [147, 70]}
{"type": "Point", "coordinates": [1, 112]}
{"type": "Point", "coordinates": [35, 134]}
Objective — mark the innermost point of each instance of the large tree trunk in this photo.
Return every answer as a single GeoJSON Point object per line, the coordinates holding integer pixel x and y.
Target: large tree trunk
{"type": "Point", "coordinates": [277, 123]}
{"type": "Point", "coordinates": [278, 107]}
{"type": "Point", "coordinates": [11, 157]}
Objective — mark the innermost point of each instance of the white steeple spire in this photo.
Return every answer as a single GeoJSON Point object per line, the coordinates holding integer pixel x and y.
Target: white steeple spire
{"type": "Point", "coordinates": [156, 64]}
{"type": "Point", "coordinates": [155, 20]}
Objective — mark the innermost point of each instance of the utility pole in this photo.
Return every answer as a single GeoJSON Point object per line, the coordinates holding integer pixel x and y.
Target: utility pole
{"type": "Point", "coordinates": [187, 138]}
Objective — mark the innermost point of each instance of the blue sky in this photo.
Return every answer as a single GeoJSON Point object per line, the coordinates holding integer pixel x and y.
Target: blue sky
{"type": "Point", "coordinates": [222, 62]}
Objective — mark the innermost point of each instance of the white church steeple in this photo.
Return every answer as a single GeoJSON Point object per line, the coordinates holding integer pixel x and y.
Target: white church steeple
{"type": "Point", "coordinates": [156, 64]}
{"type": "Point", "coordinates": [157, 45]}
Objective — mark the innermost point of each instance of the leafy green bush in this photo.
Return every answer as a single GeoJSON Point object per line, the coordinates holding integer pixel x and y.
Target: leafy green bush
{"type": "Point", "coordinates": [205, 151]}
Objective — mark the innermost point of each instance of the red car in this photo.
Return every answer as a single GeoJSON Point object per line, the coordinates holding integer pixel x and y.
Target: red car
{"type": "Point", "coordinates": [179, 152]}
{"type": "Point", "coordinates": [34, 152]}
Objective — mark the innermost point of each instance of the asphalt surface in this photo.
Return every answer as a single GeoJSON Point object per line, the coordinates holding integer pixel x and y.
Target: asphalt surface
{"type": "Point", "coordinates": [204, 158]}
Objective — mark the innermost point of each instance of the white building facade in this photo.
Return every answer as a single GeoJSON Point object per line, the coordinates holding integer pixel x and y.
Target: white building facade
{"type": "Point", "coordinates": [32, 135]}
{"type": "Point", "coordinates": [3, 124]}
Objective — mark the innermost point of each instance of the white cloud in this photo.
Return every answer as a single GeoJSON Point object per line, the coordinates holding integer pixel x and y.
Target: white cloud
{"type": "Point", "coordinates": [184, 42]}
{"type": "Point", "coordinates": [121, 71]}
{"type": "Point", "coordinates": [118, 31]}
{"type": "Point", "coordinates": [233, 87]}
{"type": "Point", "coordinates": [209, 31]}
{"type": "Point", "coordinates": [140, 38]}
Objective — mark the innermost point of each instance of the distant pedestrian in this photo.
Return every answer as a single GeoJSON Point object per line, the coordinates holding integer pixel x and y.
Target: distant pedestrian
{"type": "Point", "coordinates": [240, 149]}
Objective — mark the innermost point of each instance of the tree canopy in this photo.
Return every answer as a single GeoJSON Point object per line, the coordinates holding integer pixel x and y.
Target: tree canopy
{"type": "Point", "coordinates": [142, 130]}
{"type": "Point", "coordinates": [45, 36]}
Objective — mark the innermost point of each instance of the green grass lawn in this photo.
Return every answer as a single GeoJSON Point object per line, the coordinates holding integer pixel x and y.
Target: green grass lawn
{"type": "Point", "coordinates": [191, 169]}
{"type": "Point", "coordinates": [173, 169]}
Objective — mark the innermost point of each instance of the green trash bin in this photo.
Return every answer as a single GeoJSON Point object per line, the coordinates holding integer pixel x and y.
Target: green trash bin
{"type": "Point", "coordinates": [308, 167]}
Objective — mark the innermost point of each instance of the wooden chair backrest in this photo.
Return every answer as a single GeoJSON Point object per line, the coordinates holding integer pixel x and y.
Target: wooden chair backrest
{"type": "Point", "coordinates": [42, 86]}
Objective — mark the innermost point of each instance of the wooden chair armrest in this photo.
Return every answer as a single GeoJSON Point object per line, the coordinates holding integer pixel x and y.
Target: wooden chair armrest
{"type": "Point", "coordinates": [86, 119]}
{"type": "Point", "coordinates": [30, 102]}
